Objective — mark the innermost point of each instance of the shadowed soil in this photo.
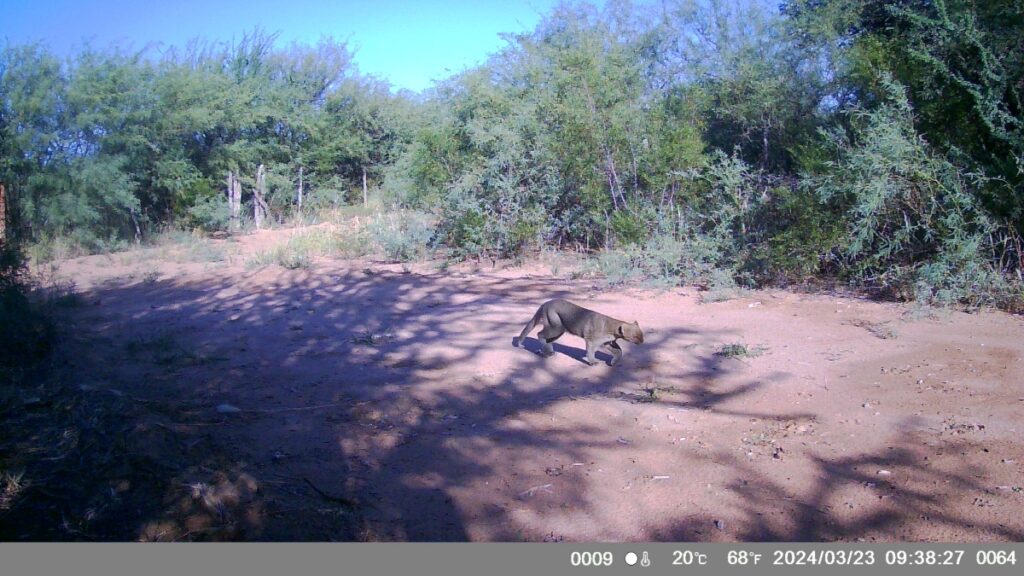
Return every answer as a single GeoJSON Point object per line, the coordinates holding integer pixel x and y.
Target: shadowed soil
{"type": "Point", "coordinates": [358, 400]}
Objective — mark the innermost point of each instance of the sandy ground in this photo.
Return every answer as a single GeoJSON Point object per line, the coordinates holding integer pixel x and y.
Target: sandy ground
{"type": "Point", "coordinates": [381, 403]}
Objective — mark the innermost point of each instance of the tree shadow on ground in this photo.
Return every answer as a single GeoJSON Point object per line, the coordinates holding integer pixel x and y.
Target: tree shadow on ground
{"type": "Point", "coordinates": [916, 494]}
{"type": "Point", "coordinates": [339, 404]}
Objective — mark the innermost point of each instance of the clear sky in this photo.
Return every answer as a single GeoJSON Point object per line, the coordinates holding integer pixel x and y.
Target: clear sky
{"type": "Point", "coordinates": [409, 44]}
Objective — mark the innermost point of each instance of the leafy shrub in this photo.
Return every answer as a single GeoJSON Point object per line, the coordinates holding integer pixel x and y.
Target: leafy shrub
{"type": "Point", "coordinates": [915, 230]}
{"type": "Point", "coordinates": [463, 226]}
{"type": "Point", "coordinates": [331, 195]}
{"type": "Point", "coordinates": [210, 214]}
{"type": "Point", "coordinates": [619, 266]}
{"type": "Point", "coordinates": [800, 235]}
{"type": "Point", "coordinates": [50, 248]}
{"type": "Point", "coordinates": [630, 227]}
{"type": "Point", "coordinates": [676, 253]}
{"type": "Point", "coordinates": [720, 286]}
{"type": "Point", "coordinates": [354, 242]}
{"type": "Point", "coordinates": [26, 334]}
{"type": "Point", "coordinates": [403, 236]}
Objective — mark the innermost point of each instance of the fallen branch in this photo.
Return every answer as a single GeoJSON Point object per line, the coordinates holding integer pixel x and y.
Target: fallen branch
{"type": "Point", "coordinates": [528, 493]}
{"type": "Point", "coordinates": [330, 497]}
{"type": "Point", "coordinates": [229, 409]}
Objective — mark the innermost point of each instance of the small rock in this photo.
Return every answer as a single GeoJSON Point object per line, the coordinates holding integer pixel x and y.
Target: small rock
{"type": "Point", "coordinates": [866, 405]}
{"type": "Point", "coordinates": [228, 409]}
{"type": "Point", "coordinates": [884, 473]}
{"type": "Point", "coordinates": [720, 525]}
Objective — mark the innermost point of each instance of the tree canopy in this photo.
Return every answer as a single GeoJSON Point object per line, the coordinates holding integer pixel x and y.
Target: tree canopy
{"type": "Point", "coordinates": [874, 141]}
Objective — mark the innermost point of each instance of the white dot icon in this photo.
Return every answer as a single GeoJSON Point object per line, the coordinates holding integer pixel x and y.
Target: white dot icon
{"type": "Point", "coordinates": [631, 558]}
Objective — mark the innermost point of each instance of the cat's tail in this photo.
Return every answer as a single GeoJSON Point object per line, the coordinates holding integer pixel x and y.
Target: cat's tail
{"type": "Point", "coordinates": [529, 327]}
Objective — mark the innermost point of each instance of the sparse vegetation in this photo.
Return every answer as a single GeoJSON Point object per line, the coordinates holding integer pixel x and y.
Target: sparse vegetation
{"type": "Point", "coordinates": [185, 246]}
{"type": "Point", "coordinates": [286, 256]}
{"type": "Point", "coordinates": [879, 329]}
{"type": "Point", "coordinates": [400, 237]}
{"type": "Point", "coordinates": [653, 392]}
{"type": "Point", "coordinates": [163, 349]}
{"type": "Point", "coordinates": [404, 236]}
{"type": "Point", "coordinates": [739, 350]}
{"type": "Point", "coordinates": [370, 338]}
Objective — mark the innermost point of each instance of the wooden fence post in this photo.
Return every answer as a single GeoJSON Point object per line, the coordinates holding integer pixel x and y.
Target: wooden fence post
{"type": "Point", "coordinates": [236, 197]}
{"type": "Point", "coordinates": [260, 208]}
{"type": "Point", "coordinates": [364, 186]}
{"type": "Point", "coordinates": [234, 194]}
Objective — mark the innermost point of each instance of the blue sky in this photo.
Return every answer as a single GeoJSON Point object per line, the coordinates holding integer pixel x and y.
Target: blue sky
{"type": "Point", "coordinates": [409, 44]}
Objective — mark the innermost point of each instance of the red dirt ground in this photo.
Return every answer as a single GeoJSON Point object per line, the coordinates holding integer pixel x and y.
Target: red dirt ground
{"type": "Point", "coordinates": [377, 403]}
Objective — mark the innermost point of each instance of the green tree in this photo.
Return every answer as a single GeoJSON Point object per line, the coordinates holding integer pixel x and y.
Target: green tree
{"type": "Point", "coordinates": [962, 66]}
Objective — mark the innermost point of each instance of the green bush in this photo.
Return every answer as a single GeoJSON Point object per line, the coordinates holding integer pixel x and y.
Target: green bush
{"type": "Point", "coordinates": [620, 266]}
{"type": "Point", "coordinates": [631, 227]}
{"type": "Point", "coordinates": [210, 214]}
{"type": "Point", "coordinates": [675, 253]}
{"type": "Point", "coordinates": [800, 236]}
{"type": "Point", "coordinates": [403, 236]}
{"type": "Point", "coordinates": [464, 227]}
{"type": "Point", "coordinates": [26, 334]}
{"type": "Point", "coordinates": [914, 227]}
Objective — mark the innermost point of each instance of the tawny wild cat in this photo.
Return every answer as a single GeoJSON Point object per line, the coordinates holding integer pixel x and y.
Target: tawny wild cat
{"type": "Point", "coordinates": [561, 316]}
